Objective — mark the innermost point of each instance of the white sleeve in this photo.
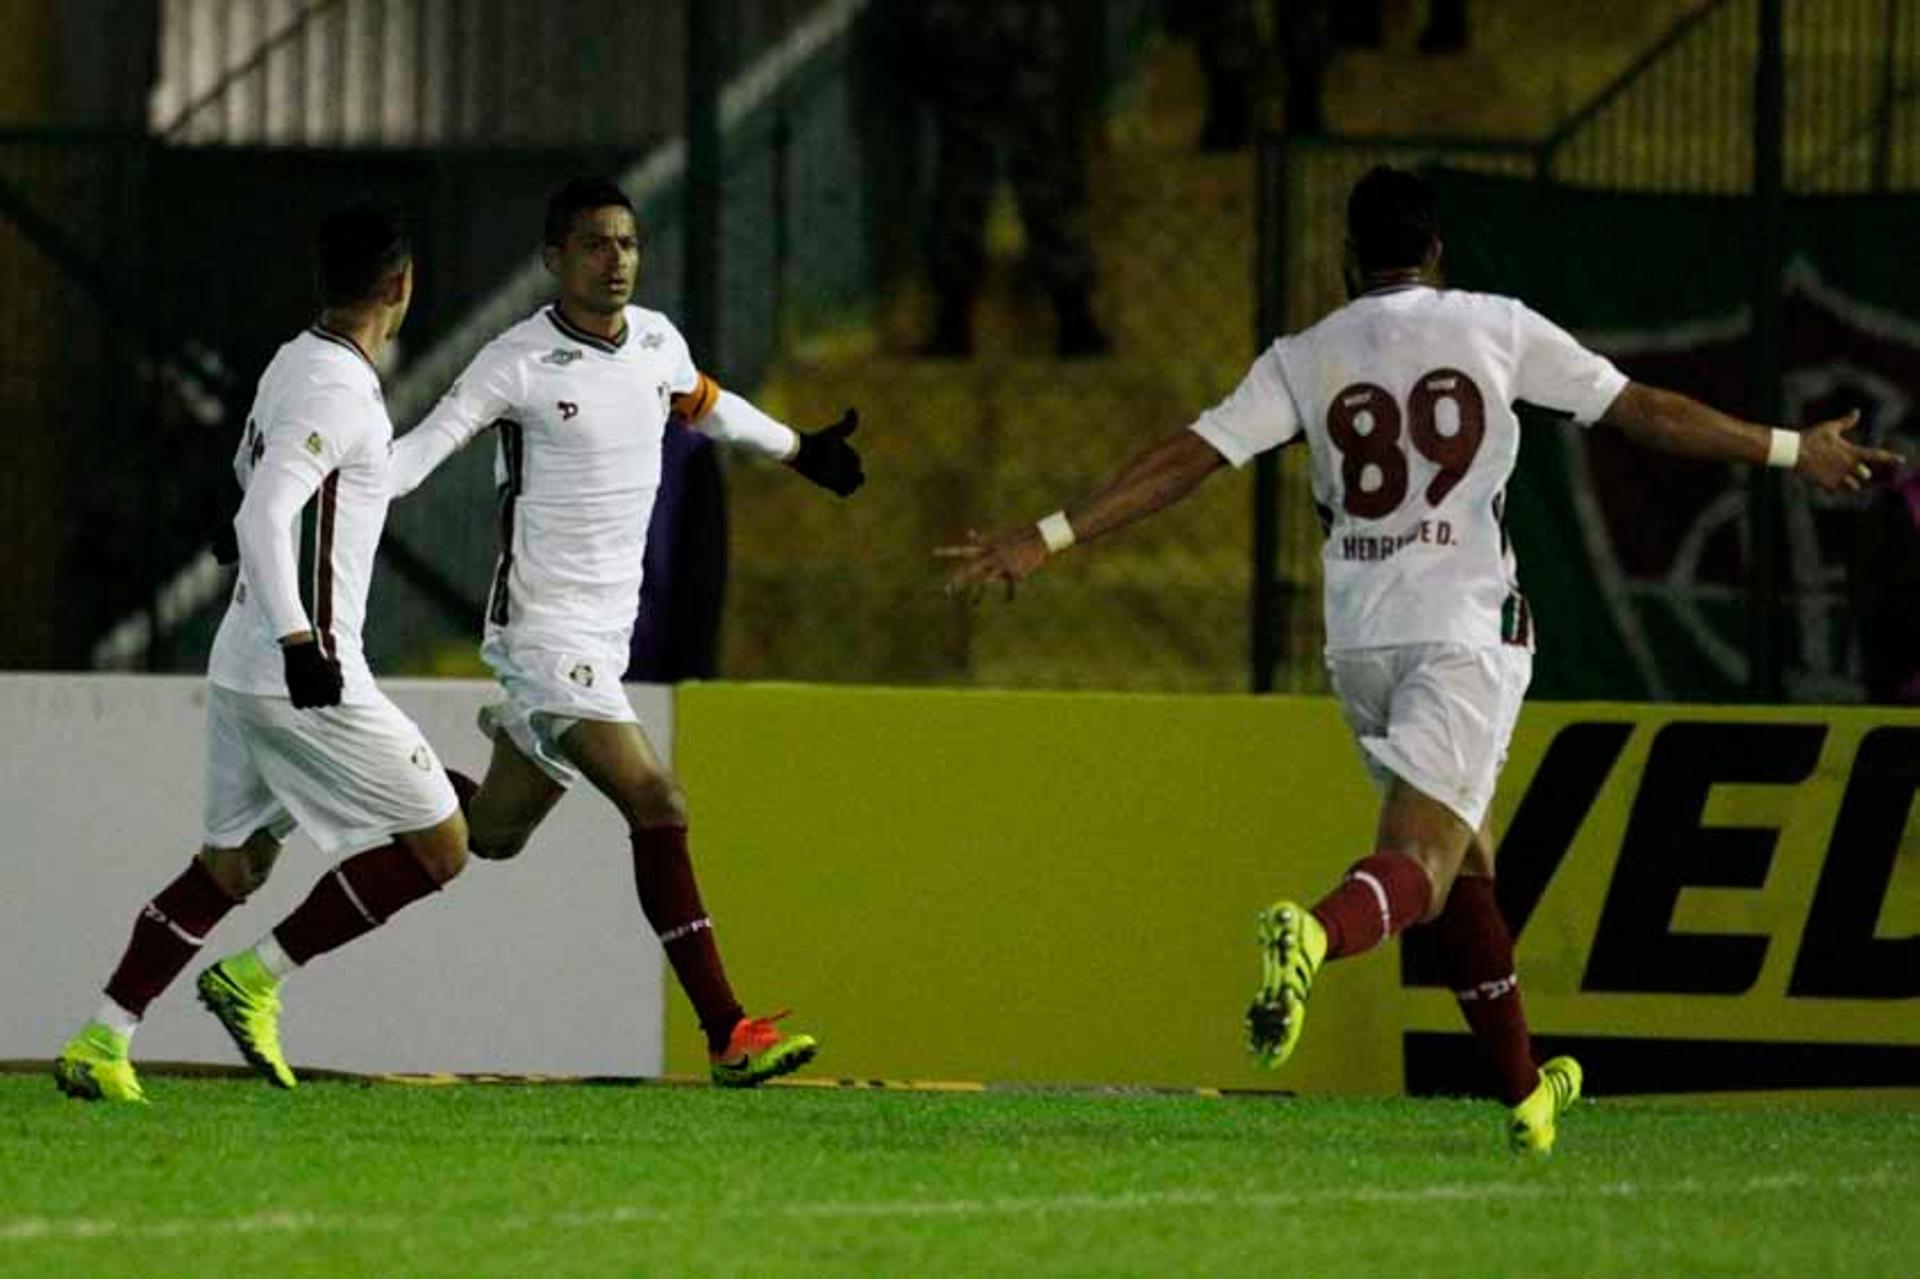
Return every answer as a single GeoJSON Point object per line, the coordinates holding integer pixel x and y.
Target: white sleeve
{"type": "Point", "coordinates": [686, 377]}
{"type": "Point", "coordinates": [732, 420]}
{"type": "Point", "coordinates": [1554, 371]}
{"type": "Point", "coordinates": [1259, 415]}
{"type": "Point", "coordinates": [483, 394]}
{"type": "Point", "coordinates": [300, 453]}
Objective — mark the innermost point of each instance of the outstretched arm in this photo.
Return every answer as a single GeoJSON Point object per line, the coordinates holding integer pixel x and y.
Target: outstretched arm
{"type": "Point", "coordinates": [417, 453]}
{"type": "Point", "coordinates": [823, 456]}
{"type": "Point", "coordinates": [486, 391]}
{"type": "Point", "coordinates": [1158, 476]}
{"type": "Point", "coordinates": [1821, 454]}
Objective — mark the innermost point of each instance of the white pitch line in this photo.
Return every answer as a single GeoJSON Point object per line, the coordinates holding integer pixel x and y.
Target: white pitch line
{"type": "Point", "coordinates": [39, 1229]}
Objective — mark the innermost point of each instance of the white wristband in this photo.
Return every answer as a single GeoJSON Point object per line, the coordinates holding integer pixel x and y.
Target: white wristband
{"type": "Point", "coordinates": [1783, 448]}
{"type": "Point", "coordinates": [1056, 532]}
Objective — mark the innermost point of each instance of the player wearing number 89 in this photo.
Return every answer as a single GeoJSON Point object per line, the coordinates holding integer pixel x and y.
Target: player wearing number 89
{"type": "Point", "coordinates": [1403, 398]}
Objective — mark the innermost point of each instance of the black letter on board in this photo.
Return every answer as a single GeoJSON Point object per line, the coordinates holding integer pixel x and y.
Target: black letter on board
{"type": "Point", "coordinates": [1666, 849]}
{"type": "Point", "coordinates": [1839, 956]}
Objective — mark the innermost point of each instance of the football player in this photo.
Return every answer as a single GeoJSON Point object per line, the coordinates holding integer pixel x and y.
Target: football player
{"type": "Point", "coordinates": [297, 731]}
{"type": "Point", "coordinates": [1403, 398]}
{"type": "Point", "coordinates": [578, 396]}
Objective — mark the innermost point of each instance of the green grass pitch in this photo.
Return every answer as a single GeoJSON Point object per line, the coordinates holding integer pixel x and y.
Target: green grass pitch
{"type": "Point", "coordinates": [228, 1177]}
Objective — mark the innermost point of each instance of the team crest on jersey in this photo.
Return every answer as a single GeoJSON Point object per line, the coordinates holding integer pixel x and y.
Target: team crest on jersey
{"type": "Point", "coordinates": [316, 445]}
{"type": "Point", "coordinates": [582, 675]}
{"type": "Point", "coordinates": [653, 341]}
{"type": "Point", "coordinates": [422, 758]}
{"type": "Point", "coordinates": [562, 356]}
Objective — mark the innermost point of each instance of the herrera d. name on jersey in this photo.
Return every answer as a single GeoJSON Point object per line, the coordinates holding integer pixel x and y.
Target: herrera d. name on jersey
{"type": "Point", "coordinates": [580, 421]}
{"type": "Point", "coordinates": [315, 447]}
{"type": "Point", "coordinates": [1405, 398]}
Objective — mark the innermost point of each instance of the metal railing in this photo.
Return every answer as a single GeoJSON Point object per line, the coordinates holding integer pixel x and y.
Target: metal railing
{"type": "Point", "coordinates": [410, 73]}
{"type": "Point", "coordinates": [793, 177]}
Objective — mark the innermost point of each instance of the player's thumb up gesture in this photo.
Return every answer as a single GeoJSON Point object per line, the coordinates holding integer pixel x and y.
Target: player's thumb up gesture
{"type": "Point", "coordinates": [827, 459]}
{"type": "Point", "coordinates": [1831, 462]}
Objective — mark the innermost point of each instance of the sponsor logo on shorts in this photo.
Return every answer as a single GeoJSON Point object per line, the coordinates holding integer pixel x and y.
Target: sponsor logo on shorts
{"type": "Point", "coordinates": [582, 675]}
{"type": "Point", "coordinates": [568, 410]}
{"type": "Point", "coordinates": [562, 356]}
{"type": "Point", "coordinates": [422, 758]}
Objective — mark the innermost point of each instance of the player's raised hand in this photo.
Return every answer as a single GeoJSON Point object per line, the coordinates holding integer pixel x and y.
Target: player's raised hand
{"type": "Point", "coordinates": [828, 460]}
{"type": "Point", "coordinates": [1834, 464]}
{"type": "Point", "coordinates": [984, 561]}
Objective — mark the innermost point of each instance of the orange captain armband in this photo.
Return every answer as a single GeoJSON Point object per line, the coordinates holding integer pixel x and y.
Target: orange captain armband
{"type": "Point", "coordinates": [697, 403]}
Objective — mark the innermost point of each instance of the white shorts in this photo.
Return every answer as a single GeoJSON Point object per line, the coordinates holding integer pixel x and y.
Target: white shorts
{"type": "Point", "coordinates": [548, 692]}
{"type": "Point", "coordinates": [1437, 716]}
{"type": "Point", "coordinates": [353, 776]}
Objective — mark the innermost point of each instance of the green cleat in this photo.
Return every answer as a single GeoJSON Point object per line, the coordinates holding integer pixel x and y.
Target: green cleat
{"type": "Point", "coordinates": [1530, 1131]}
{"type": "Point", "coordinates": [94, 1067]}
{"type": "Point", "coordinates": [756, 1052]}
{"type": "Point", "coordinates": [1292, 947]}
{"type": "Point", "coordinates": [246, 998]}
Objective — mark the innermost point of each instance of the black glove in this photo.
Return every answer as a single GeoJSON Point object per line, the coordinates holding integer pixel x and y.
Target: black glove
{"type": "Point", "coordinates": [828, 460]}
{"type": "Point", "coordinates": [313, 678]}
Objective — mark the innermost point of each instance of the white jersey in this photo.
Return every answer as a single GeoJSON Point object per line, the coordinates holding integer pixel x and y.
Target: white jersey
{"type": "Point", "coordinates": [1405, 398]}
{"type": "Point", "coordinates": [580, 423]}
{"type": "Point", "coordinates": [314, 463]}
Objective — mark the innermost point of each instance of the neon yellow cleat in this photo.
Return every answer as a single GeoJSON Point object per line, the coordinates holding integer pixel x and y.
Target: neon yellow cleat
{"type": "Point", "coordinates": [246, 998]}
{"type": "Point", "coordinates": [94, 1067]}
{"type": "Point", "coordinates": [1292, 947]}
{"type": "Point", "coordinates": [756, 1052]}
{"type": "Point", "coordinates": [1531, 1129]}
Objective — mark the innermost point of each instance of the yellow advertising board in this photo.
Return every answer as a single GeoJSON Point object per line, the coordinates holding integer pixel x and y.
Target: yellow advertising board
{"type": "Point", "coordinates": [1706, 898]}
{"type": "Point", "coordinates": [1061, 887]}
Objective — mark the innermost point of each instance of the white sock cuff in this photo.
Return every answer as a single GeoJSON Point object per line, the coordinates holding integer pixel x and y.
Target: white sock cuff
{"type": "Point", "coordinates": [274, 958]}
{"type": "Point", "coordinates": [119, 1020]}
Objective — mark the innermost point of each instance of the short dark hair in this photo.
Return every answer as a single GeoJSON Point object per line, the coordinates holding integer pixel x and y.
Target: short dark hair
{"type": "Point", "coordinates": [576, 196]}
{"type": "Point", "coordinates": [1391, 219]}
{"type": "Point", "coordinates": [357, 246]}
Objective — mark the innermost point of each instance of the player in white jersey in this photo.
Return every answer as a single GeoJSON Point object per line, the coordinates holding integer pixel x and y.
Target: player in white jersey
{"type": "Point", "coordinates": [297, 733]}
{"type": "Point", "coordinates": [579, 395]}
{"type": "Point", "coordinates": [1404, 400]}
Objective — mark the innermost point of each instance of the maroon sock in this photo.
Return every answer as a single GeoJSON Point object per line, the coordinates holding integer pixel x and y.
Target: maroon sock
{"type": "Point", "coordinates": [167, 935]}
{"type": "Point", "coordinates": [1382, 896]}
{"type": "Point", "coordinates": [670, 899]}
{"type": "Point", "coordinates": [1478, 952]}
{"type": "Point", "coordinates": [354, 898]}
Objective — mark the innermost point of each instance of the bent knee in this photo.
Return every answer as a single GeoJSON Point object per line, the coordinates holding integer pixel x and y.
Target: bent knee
{"type": "Point", "coordinates": [445, 865]}
{"type": "Point", "coordinates": [241, 871]}
{"type": "Point", "coordinates": [442, 862]}
{"type": "Point", "coordinates": [441, 851]}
